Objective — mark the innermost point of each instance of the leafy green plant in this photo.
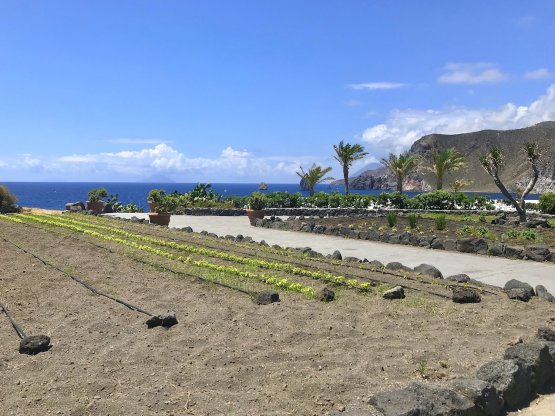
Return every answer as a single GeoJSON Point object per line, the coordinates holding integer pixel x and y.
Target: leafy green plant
{"type": "Point", "coordinates": [168, 204]}
{"type": "Point", "coordinates": [441, 222]}
{"type": "Point", "coordinates": [155, 195]}
{"type": "Point", "coordinates": [392, 219]}
{"type": "Point", "coordinates": [529, 234]}
{"type": "Point", "coordinates": [257, 201]}
{"type": "Point", "coordinates": [413, 220]}
{"type": "Point", "coordinates": [129, 208]}
{"type": "Point", "coordinates": [547, 203]}
{"type": "Point", "coordinates": [96, 194]}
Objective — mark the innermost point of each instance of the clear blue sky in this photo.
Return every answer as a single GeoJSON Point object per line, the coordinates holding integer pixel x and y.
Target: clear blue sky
{"type": "Point", "coordinates": [245, 91]}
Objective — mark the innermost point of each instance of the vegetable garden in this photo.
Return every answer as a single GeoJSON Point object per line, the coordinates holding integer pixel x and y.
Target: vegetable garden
{"type": "Point", "coordinates": [227, 354]}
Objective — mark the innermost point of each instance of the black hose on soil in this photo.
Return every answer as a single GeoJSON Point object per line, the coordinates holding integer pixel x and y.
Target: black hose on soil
{"type": "Point", "coordinates": [166, 320]}
{"type": "Point", "coordinates": [30, 345]}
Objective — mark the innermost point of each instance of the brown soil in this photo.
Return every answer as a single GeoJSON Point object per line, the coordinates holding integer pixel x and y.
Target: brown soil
{"type": "Point", "coordinates": [457, 226]}
{"type": "Point", "coordinates": [227, 355]}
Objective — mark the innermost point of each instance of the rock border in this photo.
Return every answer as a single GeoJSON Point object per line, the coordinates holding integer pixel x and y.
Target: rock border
{"type": "Point", "coordinates": [509, 383]}
{"type": "Point", "coordinates": [473, 245]}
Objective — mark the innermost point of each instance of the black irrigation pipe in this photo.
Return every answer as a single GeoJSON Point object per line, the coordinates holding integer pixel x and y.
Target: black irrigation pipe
{"type": "Point", "coordinates": [165, 320]}
{"type": "Point", "coordinates": [29, 345]}
{"type": "Point", "coordinates": [200, 278]}
{"type": "Point", "coordinates": [17, 328]}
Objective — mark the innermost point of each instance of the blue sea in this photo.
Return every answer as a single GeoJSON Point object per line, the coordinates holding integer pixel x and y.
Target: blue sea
{"type": "Point", "coordinates": [54, 195]}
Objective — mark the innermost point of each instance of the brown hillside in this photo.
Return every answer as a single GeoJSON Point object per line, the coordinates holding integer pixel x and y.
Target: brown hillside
{"type": "Point", "coordinates": [515, 174]}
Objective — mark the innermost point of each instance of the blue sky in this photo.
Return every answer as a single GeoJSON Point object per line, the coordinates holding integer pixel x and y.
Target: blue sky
{"type": "Point", "coordinates": [247, 91]}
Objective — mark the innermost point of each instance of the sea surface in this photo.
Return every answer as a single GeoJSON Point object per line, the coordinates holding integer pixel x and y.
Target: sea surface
{"type": "Point", "coordinates": [54, 195]}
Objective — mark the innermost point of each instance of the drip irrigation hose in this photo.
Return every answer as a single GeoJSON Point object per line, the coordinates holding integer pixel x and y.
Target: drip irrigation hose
{"type": "Point", "coordinates": [16, 327]}
{"type": "Point", "coordinates": [200, 278]}
{"type": "Point", "coordinates": [165, 320]}
{"type": "Point", "coordinates": [29, 345]}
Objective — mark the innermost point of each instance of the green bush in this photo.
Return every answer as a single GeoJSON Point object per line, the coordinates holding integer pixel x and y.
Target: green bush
{"type": "Point", "coordinates": [129, 208]}
{"type": "Point", "coordinates": [155, 195]}
{"type": "Point", "coordinates": [96, 194]}
{"type": "Point", "coordinates": [412, 219]}
{"type": "Point", "coordinates": [257, 201]}
{"type": "Point", "coordinates": [7, 199]}
{"type": "Point", "coordinates": [547, 203]}
{"type": "Point", "coordinates": [441, 222]}
{"type": "Point", "coordinates": [393, 200]}
{"type": "Point", "coordinates": [392, 219]}
{"type": "Point", "coordinates": [170, 203]}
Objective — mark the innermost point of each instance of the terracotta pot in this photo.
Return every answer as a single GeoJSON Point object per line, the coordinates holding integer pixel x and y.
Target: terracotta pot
{"type": "Point", "coordinates": [255, 214]}
{"type": "Point", "coordinates": [152, 206]}
{"type": "Point", "coordinates": [96, 206]}
{"type": "Point", "coordinates": [160, 218]}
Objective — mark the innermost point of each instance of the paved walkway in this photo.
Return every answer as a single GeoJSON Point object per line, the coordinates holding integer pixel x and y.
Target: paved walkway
{"type": "Point", "coordinates": [491, 270]}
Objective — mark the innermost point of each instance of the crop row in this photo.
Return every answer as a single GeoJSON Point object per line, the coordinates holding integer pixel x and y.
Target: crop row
{"type": "Point", "coordinates": [265, 264]}
{"type": "Point", "coordinates": [278, 282]}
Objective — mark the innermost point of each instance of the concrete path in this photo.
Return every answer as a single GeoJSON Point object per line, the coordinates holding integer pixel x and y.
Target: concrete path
{"type": "Point", "coordinates": [491, 270]}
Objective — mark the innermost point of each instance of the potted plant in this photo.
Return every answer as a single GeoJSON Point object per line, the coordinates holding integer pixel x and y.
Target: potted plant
{"type": "Point", "coordinates": [95, 202]}
{"type": "Point", "coordinates": [153, 199]}
{"type": "Point", "coordinates": [256, 204]}
{"type": "Point", "coordinates": [168, 204]}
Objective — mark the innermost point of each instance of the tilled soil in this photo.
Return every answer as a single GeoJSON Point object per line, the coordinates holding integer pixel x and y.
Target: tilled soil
{"type": "Point", "coordinates": [227, 355]}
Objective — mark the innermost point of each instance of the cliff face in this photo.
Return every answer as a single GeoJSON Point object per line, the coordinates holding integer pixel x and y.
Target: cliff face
{"type": "Point", "coordinates": [515, 174]}
{"type": "Point", "coordinates": [381, 179]}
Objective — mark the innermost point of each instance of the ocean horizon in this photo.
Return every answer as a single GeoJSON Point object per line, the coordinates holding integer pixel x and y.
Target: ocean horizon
{"type": "Point", "coordinates": [54, 195]}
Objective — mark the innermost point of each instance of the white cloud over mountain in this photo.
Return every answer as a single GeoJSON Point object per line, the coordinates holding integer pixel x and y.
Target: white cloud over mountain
{"type": "Point", "coordinates": [403, 127]}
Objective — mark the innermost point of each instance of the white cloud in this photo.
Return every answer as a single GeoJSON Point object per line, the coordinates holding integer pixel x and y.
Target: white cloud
{"type": "Point", "coordinates": [403, 127]}
{"type": "Point", "coordinates": [541, 73]}
{"type": "Point", "coordinates": [160, 160]}
{"type": "Point", "coordinates": [230, 153]}
{"type": "Point", "coordinates": [377, 86]}
{"type": "Point", "coordinates": [471, 73]}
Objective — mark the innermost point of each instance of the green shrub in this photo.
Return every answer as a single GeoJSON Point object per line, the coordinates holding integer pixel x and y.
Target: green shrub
{"type": "Point", "coordinates": [482, 218]}
{"type": "Point", "coordinates": [319, 200]}
{"type": "Point", "coordinates": [129, 208]}
{"type": "Point", "coordinates": [413, 219]}
{"type": "Point", "coordinates": [155, 195]}
{"type": "Point", "coordinates": [547, 203]}
{"type": "Point", "coordinates": [96, 194]}
{"type": "Point", "coordinates": [170, 203]}
{"type": "Point", "coordinates": [257, 201]}
{"type": "Point", "coordinates": [441, 222]}
{"type": "Point", "coordinates": [392, 219]}
{"type": "Point", "coordinates": [7, 199]}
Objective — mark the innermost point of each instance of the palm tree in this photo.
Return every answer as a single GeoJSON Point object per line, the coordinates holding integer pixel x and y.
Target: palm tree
{"type": "Point", "coordinates": [313, 176]}
{"type": "Point", "coordinates": [400, 166]}
{"type": "Point", "coordinates": [346, 154]}
{"type": "Point", "coordinates": [445, 161]}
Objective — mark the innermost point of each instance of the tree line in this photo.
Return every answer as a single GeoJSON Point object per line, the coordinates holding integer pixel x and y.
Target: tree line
{"type": "Point", "coordinates": [439, 163]}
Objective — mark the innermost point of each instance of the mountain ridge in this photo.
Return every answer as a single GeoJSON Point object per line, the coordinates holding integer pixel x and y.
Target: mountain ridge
{"type": "Point", "coordinates": [515, 173]}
